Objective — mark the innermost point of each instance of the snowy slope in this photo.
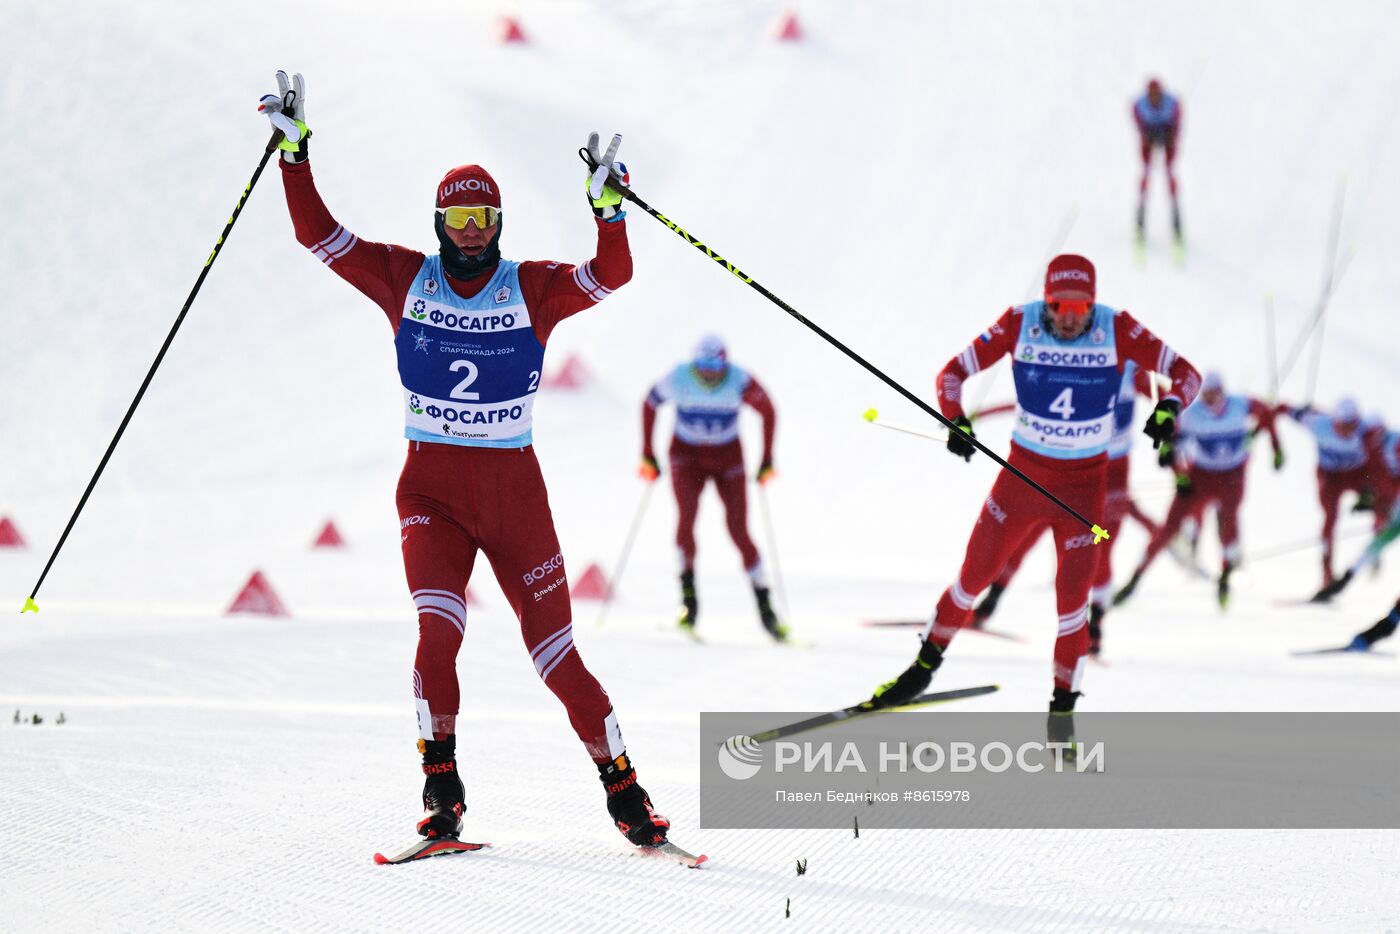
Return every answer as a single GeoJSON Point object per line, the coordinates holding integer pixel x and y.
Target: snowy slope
{"type": "Point", "coordinates": [900, 177]}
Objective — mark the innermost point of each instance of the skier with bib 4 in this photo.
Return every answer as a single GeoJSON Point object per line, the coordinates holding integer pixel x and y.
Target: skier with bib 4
{"type": "Point", "coordinates": [1068, 357]}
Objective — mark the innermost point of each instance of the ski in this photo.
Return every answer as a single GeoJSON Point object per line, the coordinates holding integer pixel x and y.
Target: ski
{"type": "Point", "coordinates": [1186, 560]}
{"type": "Point", "coordinates": [669, 850]}
{"type": "Point", "coordinates": [995, 633]}
{"type": "Point", "coordinates": [916, 623]}
{"type": "Point", "coordinates": [1295, 602]}
{"type": "Point", "coordinates": [427, 849]}
{"type": "Point", "coordinates": [692, 634]}
{"type": "Point", "coordinates": [784, 638]}
{"type": "Point", "coordinates": [858, 710]}
{"type": "Point", "coordinates": [1341, 649]}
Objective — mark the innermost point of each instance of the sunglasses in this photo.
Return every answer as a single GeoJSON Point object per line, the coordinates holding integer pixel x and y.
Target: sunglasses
{"type": "Point", "coordinates": [483, 215]}
{"type": "Point", "coordinates": [1075, 308]}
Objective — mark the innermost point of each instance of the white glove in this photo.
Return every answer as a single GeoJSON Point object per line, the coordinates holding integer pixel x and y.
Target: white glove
{"type": "Point", "coordinates": [608, 181]}
{"type": "Point", "coordinates": [287, 111]}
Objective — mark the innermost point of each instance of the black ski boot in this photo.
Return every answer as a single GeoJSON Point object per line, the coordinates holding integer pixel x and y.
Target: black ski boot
{"type": "Point", "coordinates": [1383, 629]}
{"type": "Point", "coordinates": [1059, 725]}
{"type": "Point", "coordinates": [1326, 594]}
{"type": "Point", "coordinates": [909, 685]}
{"type": "Point", "coordinates": [1122, 596]}
{"type": "Point", "coordinates": [777, 630]}
{"type": "Point", "coordinates": [1096, 615]}
{"type": "Point", "coordinates": [630, 806]}
{"type": "Point", "coordinates": [1222, 586]}
{"type": "Point", "coordinates": [442, 790]}
{"type": "Point", "coordinates": [1141, 221]}
{"type": "Point", "coordinates": [690, 607]}
{"type": "Point", "coordinates": [1176, 223]}
{"type": "Point", "coordinates": [984, 610]}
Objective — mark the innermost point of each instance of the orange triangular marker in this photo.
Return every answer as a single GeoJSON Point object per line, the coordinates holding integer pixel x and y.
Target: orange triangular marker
{"type": "Point", "coordinates": [593, 585]}
{"type": "Point", "coordinates": [329, 537]}
{"type": "Point", "coordinates": [574, 374]}
{"type": "Point", "coordinates": [257, 598]}
{"type": "Point", "coordinates": [789, 29]}
{"type": "Point", "coordinates": [511, 31]}
{"type": "Point", "coordinates": [9, 534]}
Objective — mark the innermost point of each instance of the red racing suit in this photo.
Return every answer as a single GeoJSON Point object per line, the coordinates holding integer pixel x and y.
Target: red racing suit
{"type": "Point", "coordinates": [1214, 477]}
{"type": "Point", "coordinates": [457, 500]}
{"type": "Point", "coordinates": [697, 462]}
{"type": "Point", "coordinates": [1015, 511]}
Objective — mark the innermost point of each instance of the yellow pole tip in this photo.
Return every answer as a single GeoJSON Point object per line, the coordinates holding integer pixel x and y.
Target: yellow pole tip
{"type": "Point", "coordinates": [870, 415]}
{"type": "Point", "coordinates": [30, 606]}
{"type": "Point", "coordinates": [1100, 533]}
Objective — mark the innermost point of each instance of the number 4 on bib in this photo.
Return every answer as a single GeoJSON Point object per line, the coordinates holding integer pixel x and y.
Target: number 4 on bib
{"type": "Point", "coordinates": [1062, 406]}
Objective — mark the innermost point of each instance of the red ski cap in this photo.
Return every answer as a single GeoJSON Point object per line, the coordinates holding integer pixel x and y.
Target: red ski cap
{"type": "Point", "coordinates": [1069, 277]}
{"type": "Point", "coordinates": [468, 185]}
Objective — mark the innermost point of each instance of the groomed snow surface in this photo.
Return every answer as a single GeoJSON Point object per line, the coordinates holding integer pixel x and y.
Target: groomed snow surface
{"type": "Point", "coordinates": [900, 176]}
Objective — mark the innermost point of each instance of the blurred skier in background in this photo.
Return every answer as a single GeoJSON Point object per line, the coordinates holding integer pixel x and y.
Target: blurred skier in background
{"type": "Point", "coordinates": [1158, 118]}
{"type": "Point", "coordinates": [708, 392]}
{"type": "Point", "coordinates": [1382, 466]}
{"type": "Point", "coordinates": [1213, 445]}
{"type": "Point", "coordinates": [1386, 478]}
{"type": "Point", "coordinates": [470, 333]}
{"type": "Point", "coordinates": [1342, 466]}
{"type": "Point", "coordinates": [1068, 355]}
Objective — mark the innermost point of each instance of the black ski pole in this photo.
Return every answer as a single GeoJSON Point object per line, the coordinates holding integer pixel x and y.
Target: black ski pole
{"type": "Point", "coordinates": [29, 605]}
{"type": "Point", "coordinates": [621, 564]}
{"type": "Point", "coordinates": [1271, 341]}
{"type": "Point", "coordinates": [1099, 532]}
{"type": "Point", "coordinates": [1333, 271]}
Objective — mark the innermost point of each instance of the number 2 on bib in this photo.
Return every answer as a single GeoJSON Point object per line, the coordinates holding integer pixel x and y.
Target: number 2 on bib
{"type": "Point", "coordinates": [460, 390]}
{"type": "Point", "coordinates": [1062, 406]}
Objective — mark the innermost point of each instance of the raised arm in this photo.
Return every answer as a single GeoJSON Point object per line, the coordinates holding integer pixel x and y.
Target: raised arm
{"type": "Point", "coordinates": [380, 271]}
{"type": "Point", "coordinates": [554, 291]}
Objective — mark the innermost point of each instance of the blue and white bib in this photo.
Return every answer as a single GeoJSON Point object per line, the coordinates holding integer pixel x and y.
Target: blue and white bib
{"type": "Point", "coordinates": [1156, 118]}
{"type": "Point", "coordinates": [1066, 391]}
{"type": "Point", "coordinates": [706, 415]}
{"type": "Point", "coordinates": [470, 367]}
{"type": "Point", "coordinates": [1335, 451]}
{"type": "Point", "coordinates": [1216, 442]}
